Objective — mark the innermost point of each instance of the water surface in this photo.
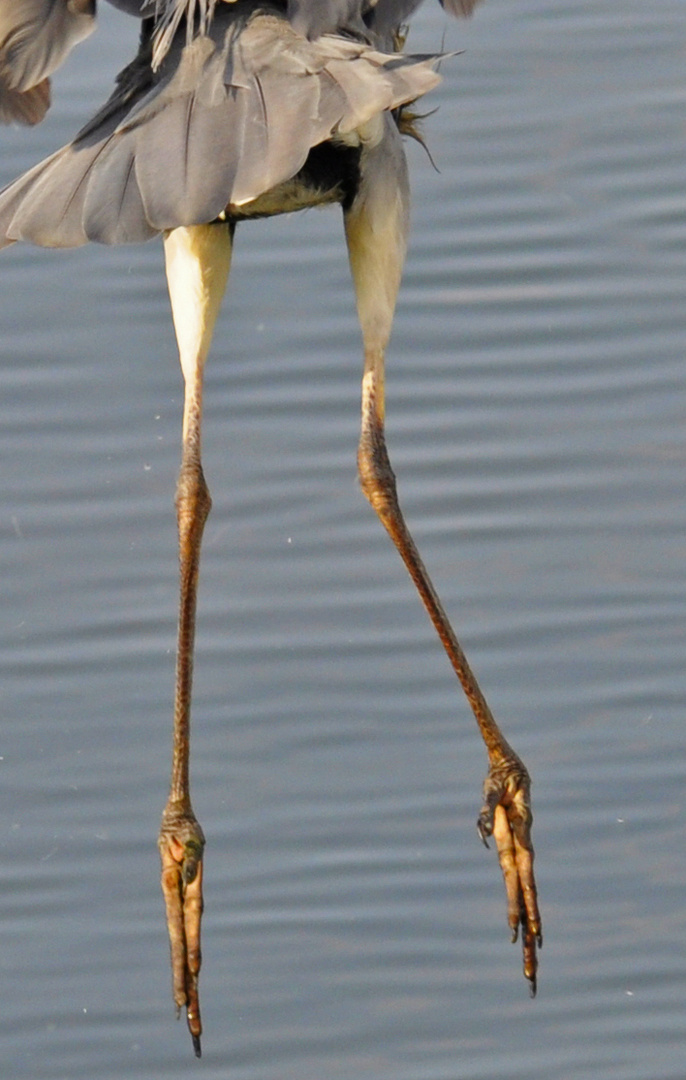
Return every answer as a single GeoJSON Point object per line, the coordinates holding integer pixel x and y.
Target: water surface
{"type": "Point", "coordinates": [354, 926]}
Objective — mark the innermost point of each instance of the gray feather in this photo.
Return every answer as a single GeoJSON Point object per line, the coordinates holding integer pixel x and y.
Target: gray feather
{"type": "Point", "coordinates": [44, 206]}
{"type": "Point", "coordinates": [35, 37]}
{"type": "Point", "coordinates": [225, 119]}
{"type": "Point", "coordinates": [113, 211]}
{"type": "Point", "coordinates": [312, 18]}
{"type": "Point", "coordinates": [24, 106]}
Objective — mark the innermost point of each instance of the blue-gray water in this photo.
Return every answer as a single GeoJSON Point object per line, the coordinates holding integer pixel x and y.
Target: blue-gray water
{"type": "Point", "coordinates": [354, 927]}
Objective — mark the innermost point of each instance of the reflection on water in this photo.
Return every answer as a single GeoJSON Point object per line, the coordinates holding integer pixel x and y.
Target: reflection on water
{"type": "Point", "coordinates": [354, 925]}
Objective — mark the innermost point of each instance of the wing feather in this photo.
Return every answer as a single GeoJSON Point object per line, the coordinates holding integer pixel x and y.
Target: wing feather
{"type": "Point", "coordinates": [225, 119]}
{"type": "Point", "coordinates": [47, 209]}
{"type": "Point", "coordinates": [312, 18]}
{"type": "Point", "coordinates": [113, 210]}
{"type": "Point", "coordinates": [35, 37]}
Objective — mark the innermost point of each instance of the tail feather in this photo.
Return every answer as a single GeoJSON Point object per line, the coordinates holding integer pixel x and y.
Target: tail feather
{"type": "Point", "coordinates": [225, 119]}
{"type": "Point", "coordinates": [113, 210]}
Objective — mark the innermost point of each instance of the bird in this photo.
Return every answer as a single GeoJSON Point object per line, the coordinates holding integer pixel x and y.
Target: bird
{"type": "Point", "coordinates": [234, 110]}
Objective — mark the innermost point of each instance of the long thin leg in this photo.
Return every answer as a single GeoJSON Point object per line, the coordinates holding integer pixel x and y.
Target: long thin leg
{"type": "Point", "coordinates": [376, 229]}
{"type": "Point", "coordinates": [197, 263]}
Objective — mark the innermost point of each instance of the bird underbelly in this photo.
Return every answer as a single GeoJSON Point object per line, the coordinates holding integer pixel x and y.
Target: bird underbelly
{"type": "Point", "coordinates": [331, 174]}
{"type": "Point", "coordinates": [285, 199]}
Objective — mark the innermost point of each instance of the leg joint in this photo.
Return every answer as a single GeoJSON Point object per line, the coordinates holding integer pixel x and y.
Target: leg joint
{"type": "Point", "coordinates": [193, 502]}
{"type": "Point", "coordinates": [377, 478]}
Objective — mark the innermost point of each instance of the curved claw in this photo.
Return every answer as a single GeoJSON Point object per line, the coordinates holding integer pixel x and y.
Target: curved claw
{"type": "Point", "coordinates": [190, 862]}
{"type": "Point", "coordinates": [181, 844]}
{"type": "Point", "coordinates": [484, 828]}
{"type": "Point", "coordinates": [506, 815]}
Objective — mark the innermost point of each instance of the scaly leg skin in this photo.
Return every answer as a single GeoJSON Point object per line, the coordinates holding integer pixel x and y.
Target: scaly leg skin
{"type": "Point", "coordinates": [181, 840]}
{"type": "Point", "coordinates": [506, 815]}
{"type": "Point", "coordinates": [197, 262]}
{"type": "Point", "coordinates": [376, 228]}
{"type": "Point", "coordinates": [507, 811]}
{"type": "Point", "coordinates": [181, 843]}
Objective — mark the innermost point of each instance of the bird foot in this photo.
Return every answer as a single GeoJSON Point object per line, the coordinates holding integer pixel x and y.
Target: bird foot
{"type": "Point", "coordinates": [181, 844]}
{"type": "Point", "coordinates": [506, 815]}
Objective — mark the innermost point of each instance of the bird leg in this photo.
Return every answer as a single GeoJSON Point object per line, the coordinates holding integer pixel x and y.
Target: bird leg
{"type": "Point", "coordinates": [376, 225]}
{"type": "Point", "coordinates": [197, 263]}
